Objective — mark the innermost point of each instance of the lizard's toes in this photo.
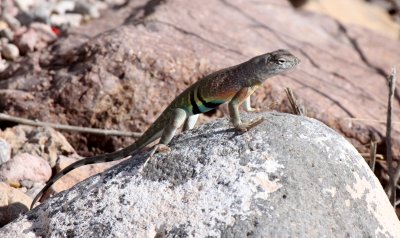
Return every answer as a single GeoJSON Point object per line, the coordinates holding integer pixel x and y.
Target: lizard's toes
{"type": "Point", "coordinates": [248, 125]}
{"type": "Point", "coordinates": [242, 128]}
{"type": "Point", "coordinates": [163, 148]}
{"type": "Point", "coordinates": [157, 148]}
{"type": "Point", "coordinates": [254, 109]}
{"type": "Point", "coordinates": [256, 122]}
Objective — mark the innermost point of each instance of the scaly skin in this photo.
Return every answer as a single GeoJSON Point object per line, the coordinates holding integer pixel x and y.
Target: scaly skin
{"type": "Point", "coordinates": [234, 85]}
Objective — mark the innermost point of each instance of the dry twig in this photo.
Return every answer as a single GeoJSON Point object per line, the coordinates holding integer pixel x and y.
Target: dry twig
{"type": "Point", "coordinates": [372, 154]}
{"type": "Point", "coordinates": [293, 103]}
{"type": "Point", "coordinates": [370, 120]}
{"type": "Point", "coordinates": [378, 157]}
{"type": "Point", "coordinates": [392, 183]}
{"type": "Point", "coordinates": [24, 121]}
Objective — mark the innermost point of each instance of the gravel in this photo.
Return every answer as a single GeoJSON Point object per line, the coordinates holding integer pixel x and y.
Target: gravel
{"type": "Point", "coordinates": [18, 16]}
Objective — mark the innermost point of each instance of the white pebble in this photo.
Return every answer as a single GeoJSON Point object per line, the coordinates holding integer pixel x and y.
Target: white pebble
{"type": "Point", "coordinates": [69, 19]}
{"type": "Point", "coordinates": [24, 5]}
{"type": "Point", "coordinates": [3, 65]}
{"type": "Point", "coordinates": [63, 6]}
{"type": "Point", "coordinates": [5, 148]}
{"type": "Point", "coordinates": [10, 51]}
{"type": "Point", "coordinates": [11, 21]}
{"type": "Point", "coordinates": [86, 8]}
{"type": "Point", "coordinates": [7, 33]}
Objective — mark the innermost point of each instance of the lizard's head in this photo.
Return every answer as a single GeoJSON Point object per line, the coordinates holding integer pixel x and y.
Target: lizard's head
{"type": "Point", "coordinates": [275, 62]}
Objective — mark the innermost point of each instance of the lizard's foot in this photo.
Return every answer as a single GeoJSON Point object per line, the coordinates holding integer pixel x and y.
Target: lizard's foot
{"type": "Point", "coordinates": [160, 148]}
{"type": "Point", "coordinates": [251, 109]}
{"type": "Point", "coordinates": [245, 126]}
{"type": "Point", "coordinates": [157, 148]}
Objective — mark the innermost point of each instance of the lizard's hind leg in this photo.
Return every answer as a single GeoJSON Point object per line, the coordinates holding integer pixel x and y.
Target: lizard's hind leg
{"type": "Point", "coordinates": [190, 122]}
{"type": "Point", "coordinates": [176, 119]}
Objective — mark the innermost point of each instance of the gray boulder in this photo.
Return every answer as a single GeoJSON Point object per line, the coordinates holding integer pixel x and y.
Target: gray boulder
{"type": "Point", "coordinates": [290, 176]}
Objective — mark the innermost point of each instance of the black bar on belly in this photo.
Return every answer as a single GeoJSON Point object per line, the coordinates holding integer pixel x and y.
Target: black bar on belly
{"type": "Point", "coordinates": [210, 105]}
{"type": "Point", "coordinates": [195, 108]}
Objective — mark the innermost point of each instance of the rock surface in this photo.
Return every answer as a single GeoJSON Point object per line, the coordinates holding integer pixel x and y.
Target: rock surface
{"type": "Point", "coordinates": [367, 15]}
{"type": "Point", "coordinates": [288, 177]}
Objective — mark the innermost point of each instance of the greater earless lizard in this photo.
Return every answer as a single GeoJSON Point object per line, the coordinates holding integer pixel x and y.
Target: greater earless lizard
{"type": "Point", "coordinates": [232, 85]}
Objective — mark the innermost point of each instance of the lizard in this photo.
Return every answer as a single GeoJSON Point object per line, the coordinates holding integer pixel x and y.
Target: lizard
{"type": "Point", "coordinates": [233, 85]}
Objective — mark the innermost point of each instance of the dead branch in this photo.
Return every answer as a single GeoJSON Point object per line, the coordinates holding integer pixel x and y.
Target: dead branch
{"type": "Point", "coordinates": [24, 121]}
{"type": "Point", "coordinates": [293, 103]}
{"type": "Point", "coordinates": [372, 153]}
{"type": "Point", "coordinates": [392, 183]}
{"type": "Point", "coordinates": [370, 120]}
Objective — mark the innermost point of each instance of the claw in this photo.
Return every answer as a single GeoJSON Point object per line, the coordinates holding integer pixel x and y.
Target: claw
{"type": "Point", "coordinates": [248, 125]}
{"type": "Point", "coordinates": [157, 148]}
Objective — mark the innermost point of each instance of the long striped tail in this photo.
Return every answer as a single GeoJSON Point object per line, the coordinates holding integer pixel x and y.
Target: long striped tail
{"type": "Point", "coordinates": [117, 155]}
{"type": "Point", "coordinates": [152, 134]}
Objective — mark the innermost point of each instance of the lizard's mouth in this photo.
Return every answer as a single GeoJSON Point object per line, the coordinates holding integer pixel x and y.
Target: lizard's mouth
{"type": "Point", "coordinates": [296, 61]}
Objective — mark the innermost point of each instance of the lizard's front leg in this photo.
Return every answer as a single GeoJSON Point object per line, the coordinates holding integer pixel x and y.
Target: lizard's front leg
{"type": "Point", "coordinates": [247, 104]}
{"type": "Point", "coordinates": [234, 113]}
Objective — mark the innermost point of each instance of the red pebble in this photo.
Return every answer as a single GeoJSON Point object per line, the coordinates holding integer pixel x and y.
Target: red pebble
{"type": "Point", "coordinates": [56, 30]}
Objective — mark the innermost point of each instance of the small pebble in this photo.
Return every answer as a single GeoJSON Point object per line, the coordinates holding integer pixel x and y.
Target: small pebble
{"type": "Point", "coordinates": [25, 167]}
{"type": "Point", "coordinates": [115, 2]}
{"type": "Point", "coordinates": [85, 8]}
{"type": "Point", "coordinates": [44, 31]}
{"type": "Point", "coordinates": [3, 25]}
{"type": "Point", "coordinates": [35, 189]}
{"type": "Point", "coordinates": [7, 33]}
{"type": "Point", "coordinates": [64, 6]}
{"type": "Point", "coordinates": [5, 149]}
{"type": "Point", "coordinates": [3, 41]}
{"type": "Point", "coordinates": [3, 65]}
{"type": "Point", "coordinates": [27, 183]}
{"type": "Point", "coordinates": [41, 13]}
{"type": "Point", "coordinates": [13, 183]}
{"type": "Point", "coordinates": [27, 41]}
{"type": "Point", "coordinates": [11, 21]}
{"type": "Point", "coordinates": [24, 5]}
{"type": "Point", "coordinates": [22, 189]}
{"type": "Point", "coordinates": [26, 18]}
{"type": "Point", "coordinates": [10, 51]}
{"type": "Point", "coordinates": [69, 19]}
{"type": "Point", "coordinates": [9, 7]}
{"type": "Point", "coordinates": [101, 5]}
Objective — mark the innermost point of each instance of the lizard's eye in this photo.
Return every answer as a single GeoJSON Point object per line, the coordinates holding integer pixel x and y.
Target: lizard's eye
{"type": "Point", "coordinates": [281, 61]}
